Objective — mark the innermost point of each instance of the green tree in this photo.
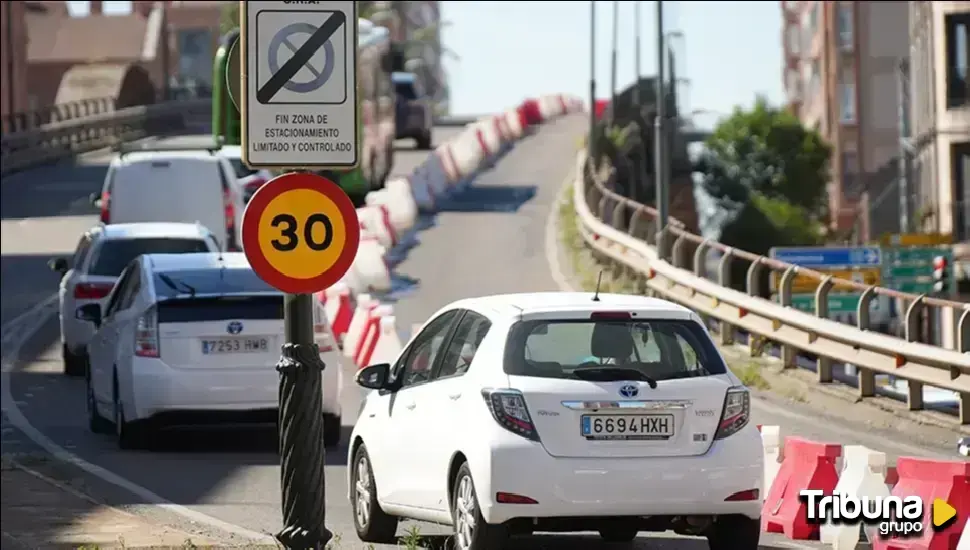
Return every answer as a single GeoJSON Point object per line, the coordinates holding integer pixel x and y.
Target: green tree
{"type": "Point", "coordinates": [769, 173]}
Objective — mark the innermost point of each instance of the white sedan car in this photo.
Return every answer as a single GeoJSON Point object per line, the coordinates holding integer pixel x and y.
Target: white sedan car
{"type": "Point", "coordinates": [249, 180]}
{"type": "Point", "coordinates": [558, 412]}
{"type": "Point", "coordinates": [193, 339]}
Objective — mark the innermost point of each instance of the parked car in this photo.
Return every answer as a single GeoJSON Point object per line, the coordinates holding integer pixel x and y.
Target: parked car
{"type": "Point", "coordinates": [249, 180]}
{"type": "Point", "coordinates": [414, 114]}
{"type": "Point", "coordinates": [100, 256]}
{"type": "Point", "coordinates": [174, 183]}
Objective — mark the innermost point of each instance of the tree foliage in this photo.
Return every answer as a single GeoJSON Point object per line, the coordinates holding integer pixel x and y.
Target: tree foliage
{"type": "Point", "coordinates": [769, 173]}
{"type": "Point", "coordinates": [229, 18]}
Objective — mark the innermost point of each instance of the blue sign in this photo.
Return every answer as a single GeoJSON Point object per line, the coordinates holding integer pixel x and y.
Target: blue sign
{"type": "Point", "coordinates": [823, 256]}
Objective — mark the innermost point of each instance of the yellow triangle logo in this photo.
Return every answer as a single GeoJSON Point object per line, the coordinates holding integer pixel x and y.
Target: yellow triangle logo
{"type": "Point", "coordinates": [943, 513]}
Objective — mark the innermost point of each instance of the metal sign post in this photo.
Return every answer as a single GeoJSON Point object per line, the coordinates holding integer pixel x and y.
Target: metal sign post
{"type": "Point", "coordinates": [300, 231]}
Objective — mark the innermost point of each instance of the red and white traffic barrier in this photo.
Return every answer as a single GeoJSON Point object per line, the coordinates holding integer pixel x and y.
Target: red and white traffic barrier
{"type": "Point", "coordinates": [807, 465]}
{"type": "Point", "coordinates": [370, 270]}
{"type": "Point", "coordinates": [358, 324]}
{"type": "Point", "coordinates": [381, 343]}
{"type": "Point", "coordinates": [360, 350]}
{"type": "Point", "coordinates": [375, 220]}
{"type": "Point", "coordinates": [863, 475]}
{"type": "Point", "coordinates": [397, 198]}
{"type": "Point", "coordinates": [339, 308]}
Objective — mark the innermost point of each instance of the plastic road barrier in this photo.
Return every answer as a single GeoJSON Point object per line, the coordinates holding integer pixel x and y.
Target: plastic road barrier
{"type": "Point", "coordinates": [863, 475]}
{"type": "Point", "coordinates": [807, 465]}
{"type": "Point", "coordinates": [358, 324]}
{"type": "Point", "coordinates": [381, 342]}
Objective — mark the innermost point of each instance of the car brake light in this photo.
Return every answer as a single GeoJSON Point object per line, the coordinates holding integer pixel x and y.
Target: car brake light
{"type": "Point", "coordinates": [105, 212]}
{"type": "Point", "coordinates": [736, 414]}
{"type": "Point", "coordinates": [510, 411]}
{"type": "Point", "coordinates": [92, 291]}
{"type": "Point", "coordinates": [230, 213]}
{"type": "Point", "coordinates": [512, 498]}
{"type": "Point", "coordinates": [607, 315]}
{"type": "Point", "coordinates": [146, 334]}
{"type": "Point", "coordinates": [746, 495]}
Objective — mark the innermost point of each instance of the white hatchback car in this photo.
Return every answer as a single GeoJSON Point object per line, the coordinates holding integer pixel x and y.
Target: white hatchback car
{"type": "Point", "coordinates": [248, 180]}
{"type": "Point", "coordinates": [101, 254]}
{"type": "Point", "coordinates": [193, 339]}
{"type": "Point", "coordinates": [560, 412]}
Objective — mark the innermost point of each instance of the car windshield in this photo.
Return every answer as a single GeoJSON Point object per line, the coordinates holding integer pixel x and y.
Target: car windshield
{"type": "Point", "coordinates": [240, 168]}
{"type": "Point", "coordinates": [114, 255]}
{"type": "Point", "coordinates": [170, 284]}
{"type": "Point", "coordinates": [405, 90]}
{"type": "Point", "coordinates": [611, 350]}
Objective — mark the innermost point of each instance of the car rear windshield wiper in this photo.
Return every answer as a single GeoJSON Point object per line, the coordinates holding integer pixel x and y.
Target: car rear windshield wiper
{"type": "Point", "coordinates": [613, 373]}
{"type": "Point", "coordinates": [177, 286]}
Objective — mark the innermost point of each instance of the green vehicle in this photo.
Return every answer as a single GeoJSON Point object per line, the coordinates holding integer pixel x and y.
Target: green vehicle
{"type": "Point", "coordinates": [377, 60]}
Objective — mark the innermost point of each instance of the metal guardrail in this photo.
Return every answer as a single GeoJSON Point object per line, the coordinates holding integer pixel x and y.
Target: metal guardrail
{"type": "Point", "coordinates": [626, 233]}
{"type": "Point", "coordinates": [28, 120]}
{"type": "Point", "coordinates": [52, 141]}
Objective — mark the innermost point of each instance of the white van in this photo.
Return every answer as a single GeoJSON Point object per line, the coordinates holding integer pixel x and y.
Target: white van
{"type": "Point", "coordinates": [158, 183]}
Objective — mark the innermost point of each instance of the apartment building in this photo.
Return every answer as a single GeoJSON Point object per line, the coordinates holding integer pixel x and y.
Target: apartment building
{"type": "Point", "coordinates": [840, 74]}
{"type": "Point", "coordinates": [936, 193]}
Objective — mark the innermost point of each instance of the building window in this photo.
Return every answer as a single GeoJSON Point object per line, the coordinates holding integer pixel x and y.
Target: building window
{"type": "Point", "coordinates": [850, 163]}
{"type": "Point", "coordinates": [794, 39]}
{"type": "Point", "coordinates": [845, 20]}
{"type": "Point", "coordinates": [847, 105]}
{"type": "Point", "coordinates": [957, 53]}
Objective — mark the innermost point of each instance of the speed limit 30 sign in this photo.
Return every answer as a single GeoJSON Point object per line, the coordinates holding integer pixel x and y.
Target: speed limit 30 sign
{"type": "Point", "coordinates": [300, 233]}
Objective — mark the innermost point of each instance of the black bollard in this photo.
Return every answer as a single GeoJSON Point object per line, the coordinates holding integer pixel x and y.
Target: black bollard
{"type": "Point", "coordinates": [301, 430]}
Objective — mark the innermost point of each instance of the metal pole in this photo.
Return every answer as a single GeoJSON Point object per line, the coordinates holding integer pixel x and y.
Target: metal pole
{"type": "Point", "coordinates": [301, 430]}
{"type": "Point", "coordinates": [660, 128]}
{"type": "Point", "coordinates": [901, 79]}
{"type": "Point", "coordinates": [636, 53]}
{"type": "Point", "coordinates": [642, 177]}
{"type": "Point", "coordinates": [11, 67]}
{"type": "Point", "coordinates": [166, 54]}
{"type": "Point", "coordinates": [616, 36]}
{"type": "Point", "coordinates": [592, 80]}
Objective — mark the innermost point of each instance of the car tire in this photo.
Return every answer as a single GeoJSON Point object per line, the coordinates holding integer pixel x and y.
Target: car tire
{"type": "Point", "coordinates": [619, 534]}
{"type": "Point", "coordinates": [74, 364]}
{"type": "Point", "coordinates": [734, 533]}
{"type": "Point", "coordinates": [332, 430]}
{"type": "Point", "coordinates": [129, 435]}
{"type": "Point", "coordinates": [471, 530]}
{"type": "Point", "coordinates": [423, 142]}
{"type": "Point", "coordinates": [96, 423]}
{"type": "Point", "coordinates": [370, 521]}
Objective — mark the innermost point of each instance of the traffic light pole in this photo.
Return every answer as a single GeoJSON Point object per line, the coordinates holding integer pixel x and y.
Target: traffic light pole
{"type": "Point", "coordinates": [301, 430]}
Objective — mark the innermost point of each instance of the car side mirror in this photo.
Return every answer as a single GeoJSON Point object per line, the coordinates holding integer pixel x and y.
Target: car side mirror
{"type": "Point", "coordinates": [90, 313]}
{"type": "Point", "coordinates": [95, 199]}
{"type": "Point", "coordinates": [374, 377]}
{"type": "Point", "coordinates": [58, 265]}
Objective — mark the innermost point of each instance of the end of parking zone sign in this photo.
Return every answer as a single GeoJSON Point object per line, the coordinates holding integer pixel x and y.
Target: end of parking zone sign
{"type": "Point", "coordinates": [299, 104]}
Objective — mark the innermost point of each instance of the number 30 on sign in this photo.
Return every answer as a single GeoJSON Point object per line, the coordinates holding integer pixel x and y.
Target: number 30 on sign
{"type": "Point", "coordinates": [300, 233]}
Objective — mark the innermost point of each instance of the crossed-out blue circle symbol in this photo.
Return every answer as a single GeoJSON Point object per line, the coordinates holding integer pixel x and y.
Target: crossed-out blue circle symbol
{"type": "Point", "coordinates": [282, 38]}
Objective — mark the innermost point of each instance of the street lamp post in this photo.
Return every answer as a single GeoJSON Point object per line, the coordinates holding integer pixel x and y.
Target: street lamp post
{"type": "Point", "coordinates": [591, 142]}
{"type": "Point", "coordinates": [660, 172]}
{"type": "Point", "coordinates": [616, 33]}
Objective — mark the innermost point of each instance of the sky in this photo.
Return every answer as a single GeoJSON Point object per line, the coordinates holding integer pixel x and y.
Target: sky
{"type": "Point", "coordinates": [508, 51]}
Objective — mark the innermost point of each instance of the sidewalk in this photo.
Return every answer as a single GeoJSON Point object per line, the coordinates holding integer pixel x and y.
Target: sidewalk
{"type": "Point", "coordinates": [40, 512]}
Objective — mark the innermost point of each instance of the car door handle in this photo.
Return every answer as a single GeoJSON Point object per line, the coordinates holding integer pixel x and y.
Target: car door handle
{"type": "Point", "coordinates": [454, 396]}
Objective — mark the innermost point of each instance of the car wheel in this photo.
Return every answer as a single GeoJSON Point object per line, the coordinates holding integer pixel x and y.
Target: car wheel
{"type": "Point", "coordinates": [471, 531]}
{"type": "Point", "coordinates": [370, 521]}
{"type": "Point", "coordinates": [130, 435]}
{"type": "Point", "coordinates": [619, 534]}
{"type": "Point", "coordinates": [74, 364]}
{"type": "Point", "coordinates": [331, 430]}
{"type": "Point", "coordinates": [734, 533]}
{"type": "Point", "coordinates": [96, 423]}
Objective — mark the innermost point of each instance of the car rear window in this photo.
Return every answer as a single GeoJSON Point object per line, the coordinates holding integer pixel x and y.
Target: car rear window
{"type": "Point", "coordinates": [405, 90]}
{"type": "Point", "coordinates": [659, 349]}
{"type": "Point", "coordinates": [240, 168]}
{"type": "Point", "coordinates": [221, 308]}
{"type": "Point", "coordinates": [111, 258]}
{"type": "Point", "coordinates": [209, 281]}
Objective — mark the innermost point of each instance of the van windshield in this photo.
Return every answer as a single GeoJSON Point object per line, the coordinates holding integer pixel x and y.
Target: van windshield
{"type": "Point", "coordinates": [656, 349]}
{"type": "Point", "coordinates": [111, 258]}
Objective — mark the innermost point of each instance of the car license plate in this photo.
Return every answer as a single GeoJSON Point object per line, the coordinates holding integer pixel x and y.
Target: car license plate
{"type": "Point", "coordinates": [637, 427]}
{"type": "Point", "coordinates": [220, 346]}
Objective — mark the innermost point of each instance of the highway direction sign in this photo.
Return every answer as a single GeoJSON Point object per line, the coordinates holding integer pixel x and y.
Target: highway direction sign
{"type": "Point", "coordinates": [820, 257]}
{"type": "Point", "coordinates": [842, 304]}
{"type": "Point", "coordinates": [864, 275]}
{"type": "Point", "coordinates": [299, 107]}
{"type": "Point", "coordinates": [300, 233]}
{"type": "Point", "coordinates": [910, 269]}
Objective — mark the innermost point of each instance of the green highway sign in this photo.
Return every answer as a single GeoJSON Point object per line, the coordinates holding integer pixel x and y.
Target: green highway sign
{"type": "Point", "coordinates": [841, 303]}
{"type": "Point", "coordinates": [910, 269]}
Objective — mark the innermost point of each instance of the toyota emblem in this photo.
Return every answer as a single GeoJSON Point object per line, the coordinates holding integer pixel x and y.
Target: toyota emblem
{"type": "Point", "coordinates": [629, 390]}
{"type": "Point", "coordinates": [234, 327]}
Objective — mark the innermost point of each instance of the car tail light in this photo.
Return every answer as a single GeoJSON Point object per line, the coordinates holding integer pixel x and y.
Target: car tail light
{"type": "Point", "coordinates": [736, 414]}
{"type": "Point", "coordinates": [513, 498]}
{"type": "Point", "coordinates": [230, 210]}
{"type": "Point", "coordinates": [609, 315]}
{"type": "Point", "coordinates": [146, 334]}
{"type": "Point", "coordinates": [105, 212]}
{"type": "Point", "coordinates": [92, 291]}
{"type": "Point", "coordinates": [742, 496]}
{"type": "Point", "coordinates": [510, 411]}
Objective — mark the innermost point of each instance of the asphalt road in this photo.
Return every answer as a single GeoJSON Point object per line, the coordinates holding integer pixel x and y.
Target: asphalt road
{"type": "Point", "coordinates": [488, 239]}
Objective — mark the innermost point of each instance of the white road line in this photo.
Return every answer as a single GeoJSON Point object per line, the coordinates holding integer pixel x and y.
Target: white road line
{"type": "Point", "coordinates": [23, 327]}
{"type": "Point", "coordinates": [552, 237]}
